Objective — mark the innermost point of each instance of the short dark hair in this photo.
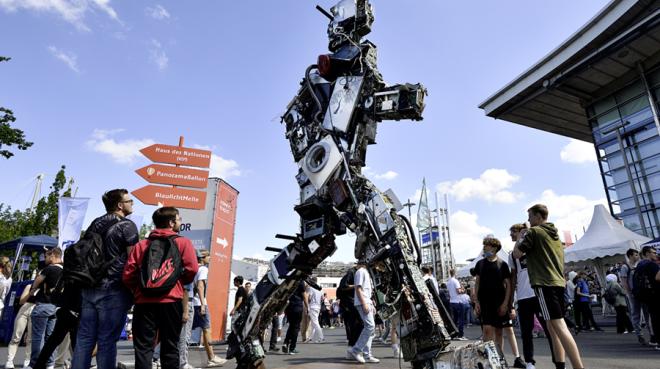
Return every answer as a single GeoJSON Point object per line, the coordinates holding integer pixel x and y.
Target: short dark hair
{"type": "Point", "coordinates": [540, 209]}
{"type": "Point", "coordinates": [112, 198]}
{"type": "Point", "coordinates": [238, 279]}
{"type": "Point", "coordinates": [163, 216]}
{"type": "Point", "coordinates": [426, 270]}
{"type": "Point", "coordinates": [646, 250]}
{"type": "Point", "coordinates": [631, 252]}
{"type": "Point", "coordinates": [493, 242]}
{"type": "Point", "coordinates": [518, 227]}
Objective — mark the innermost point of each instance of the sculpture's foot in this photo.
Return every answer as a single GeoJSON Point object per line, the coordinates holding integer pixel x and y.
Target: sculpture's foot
{"type": "Point", "coordinates": [480, 355]}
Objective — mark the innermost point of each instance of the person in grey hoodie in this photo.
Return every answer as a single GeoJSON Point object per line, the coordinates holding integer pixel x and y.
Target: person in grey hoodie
{"type": "Point", "coordinates": [623, 324]}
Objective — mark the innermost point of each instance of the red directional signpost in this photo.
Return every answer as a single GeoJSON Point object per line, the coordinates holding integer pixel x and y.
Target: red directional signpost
{"type": "Point", "coordinates": [174, 176]}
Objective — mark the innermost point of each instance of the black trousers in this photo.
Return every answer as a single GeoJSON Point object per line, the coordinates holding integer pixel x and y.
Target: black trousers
{"type": "Point", "coordinates": [584, 317]}
{"type": "Point", "coordinates": [273, 331]}
{"type": "Point", "coordinates": [294, 317]}
{"type": "Point", "coordinates": [163, 319]}
{"type": "Point", "coordinates": [352, 324]}
{"type": "Point", "coordinates": [66, 322]}
{"type": "Point", "coordinates": [527, 309]}
{"type": "Point", "coordinates": [622, 320]}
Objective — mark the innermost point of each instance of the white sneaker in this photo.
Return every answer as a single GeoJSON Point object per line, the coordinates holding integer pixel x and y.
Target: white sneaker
{"type": "Point", "coordinates": [9, 365]}
{"type": "Point", "coordinates": [50, 367]}
{"type": "Point", "coordinates": [397, 354]}
{"type": "Point", "coordinates": [372, 359]}
{"type": "Point", "coordinates": [26, 364]}
{"type": "Point", "coordinates": [530, 366]}
{"type": "Point", "coordinates": [357, 356]}
{"type": "Point", "coordinates": [216, 361]}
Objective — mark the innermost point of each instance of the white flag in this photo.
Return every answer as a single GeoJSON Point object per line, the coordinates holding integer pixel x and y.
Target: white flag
{"type": "Point", "coordinates": [423, 212]}
{"type": "Point", "coordinates": [71, 214]}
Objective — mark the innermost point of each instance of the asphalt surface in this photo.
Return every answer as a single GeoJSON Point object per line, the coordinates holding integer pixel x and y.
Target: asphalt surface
{"type": "Point", "coordinates": [604, 350]}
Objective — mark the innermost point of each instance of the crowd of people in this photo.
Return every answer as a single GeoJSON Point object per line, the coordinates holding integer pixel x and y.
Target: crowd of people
{"type": "Point", "coordinates": [163, 278]}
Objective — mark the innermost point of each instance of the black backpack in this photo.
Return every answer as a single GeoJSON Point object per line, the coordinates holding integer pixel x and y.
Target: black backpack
{"type": "Point", "coordinates": [85, 263]}
{"type": "Point", "coordinates": [610, 295]}
{"type": "Point", "coordinates": [161, 266]}
{"type": "Point", "coordinates": [642, 286]}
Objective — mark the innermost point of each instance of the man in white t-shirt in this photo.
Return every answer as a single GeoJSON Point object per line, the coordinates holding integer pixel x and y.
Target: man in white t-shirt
{"type": "Point", "coordinates": [428, 274]}
{"type": "Point", "coordinates": [526, 300]}
{"type": "Point", "coordinates": [457, 310]}
{"type": "Point", "coordinates": [314, 300]}
{"type": "Point", "coordinates": [361, 351]}
{"type": "Point", "coordinates": [202, 318]}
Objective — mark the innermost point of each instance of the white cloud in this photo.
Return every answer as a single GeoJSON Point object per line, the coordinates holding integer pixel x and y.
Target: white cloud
{"type": "Point", "coordinates": [157, 12]}
{"type": "Point", "coordinates": [387, 176]}
{"type": "Point", "coordinates": [578, 152]}
{"type": "Point", "coordinates": [68, 58]}
{"type": "Point", "coordinates": [157, 55]}
{"type": "Point", "coordinates": [122, 152]}
{"type": "Point", "coordinates": [221, 167]}
{"type": "Point", "coordinates": [466, 235]}
{"type": "Point", "coordinates": [72, 11]}
{"type": "Point", "coordinates": [568, 212]}
{"type": "Point", "coordinates": [492, 186]}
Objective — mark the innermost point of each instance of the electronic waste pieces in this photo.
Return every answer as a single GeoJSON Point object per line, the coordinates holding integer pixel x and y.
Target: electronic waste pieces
{"type": "Point", "coordinates": [329, 124]}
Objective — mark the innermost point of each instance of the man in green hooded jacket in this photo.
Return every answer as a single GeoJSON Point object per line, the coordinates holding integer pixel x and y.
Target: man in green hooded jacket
{"type": "Point", "coordinates": [545, 265]}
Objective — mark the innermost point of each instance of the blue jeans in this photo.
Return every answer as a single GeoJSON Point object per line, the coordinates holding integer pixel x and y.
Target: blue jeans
{"type": "Point", "coordinates": [458, 312]}
{"type": "Point", "coordinates": [43, 323]}
{"type": "Point", "coordinates": [363, 343]}
{"type": "Point", "coordinates": [102, 319]}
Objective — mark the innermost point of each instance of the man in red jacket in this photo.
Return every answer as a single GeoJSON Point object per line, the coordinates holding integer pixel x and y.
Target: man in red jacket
{"type": "Point", "coordinates": [161, 314]}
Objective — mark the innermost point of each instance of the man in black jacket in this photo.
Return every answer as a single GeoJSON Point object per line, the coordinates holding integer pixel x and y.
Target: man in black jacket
{"type": "Point", "coordinates": [104, 306]}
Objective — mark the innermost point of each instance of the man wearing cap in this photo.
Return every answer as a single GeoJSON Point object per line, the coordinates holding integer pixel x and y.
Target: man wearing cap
{"type": "Point", "coordinates": [202, 318]}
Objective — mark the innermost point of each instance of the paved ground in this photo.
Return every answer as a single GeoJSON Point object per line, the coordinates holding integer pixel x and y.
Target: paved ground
{"type": "Point", "coordinates": [603, 350]}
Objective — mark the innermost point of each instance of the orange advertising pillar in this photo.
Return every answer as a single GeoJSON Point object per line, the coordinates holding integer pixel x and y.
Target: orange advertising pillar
{"type": "Point", "coordinates": [222, 243]}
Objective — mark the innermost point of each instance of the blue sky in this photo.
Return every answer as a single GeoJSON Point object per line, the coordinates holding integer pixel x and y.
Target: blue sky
{"type": "Point", "coordinates": [92, 81]}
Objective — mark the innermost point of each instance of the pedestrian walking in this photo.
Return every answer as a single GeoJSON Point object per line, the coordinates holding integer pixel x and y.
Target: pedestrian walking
{"type": "Point", "coordinates": [351, 316]}
{"type": "Point", "coordinates": [314, 303]}
{"type": "Point", "coordinates": [584, 318]}
{"type": "Point", "coordinates": [528, 308]}
{"type": "Point", "coordinates": [545, 266]}
{"type": "Point", "coordinates": [294, 314]}
{"type": "Point", "coordinates": [493, 291]}
{"type": "Point", "coordinates": [202, 316]}
{"type": "Point", "coordinates": [156, 270]}
{"type": "Point", "coordinates": [638, 310]}
{"type": "Point", "coordinates": [616, 296]}
{"type": "Point", "coordinates": [361, 351]}
{"type": "Point", "coordinates": [186, 329]}
{"type": "Point", "coordinates": [104, 306]}
{"type": "Point", "coordinates": [646, 285]}
{"type": "Point", "coordinates": [21, 323]}
{"type": "Point", "coordinates": [241, 296]}
{"type": "Point", "coordinates": [456, 305]}
{"type": "Point", "coordinates": [43, 315]}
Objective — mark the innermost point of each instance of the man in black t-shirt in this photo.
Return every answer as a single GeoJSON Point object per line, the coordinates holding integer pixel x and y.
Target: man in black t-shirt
{"type": "Point", "coordinates": [43, 314]}
{"type": "Point", "coordinates": [493, 290]}
{"type": "Point", "coordinates": [241, 295]}
{"type": "Point", "coordinates": [294, 314]}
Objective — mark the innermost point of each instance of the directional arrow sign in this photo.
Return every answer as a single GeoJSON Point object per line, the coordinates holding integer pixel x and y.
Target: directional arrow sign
{"type": "Point", "coordinates": [168, 196]}
{"type": "Point", "coordinates": [177, 176]}
{"type": "Point", "coordinates": [178, 155]}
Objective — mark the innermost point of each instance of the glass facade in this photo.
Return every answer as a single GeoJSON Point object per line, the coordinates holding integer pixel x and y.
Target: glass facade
{"type": "Point", "coordinates": [628, 149]}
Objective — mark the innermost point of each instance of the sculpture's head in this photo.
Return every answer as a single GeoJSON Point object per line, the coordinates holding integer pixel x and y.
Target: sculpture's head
{"type": "Point", "coordinates": [351, 20]}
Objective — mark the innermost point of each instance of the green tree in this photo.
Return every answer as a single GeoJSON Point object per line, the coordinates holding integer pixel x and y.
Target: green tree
{"type": "Point", "coordinates": [40, 220]}
{"type": "Point", "coordinates": [10, 136]}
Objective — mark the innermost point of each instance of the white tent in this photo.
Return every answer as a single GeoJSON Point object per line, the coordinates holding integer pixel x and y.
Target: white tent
{"type": "Point", "coordinates": [464, 272]}
{"type": "Point", "coordinates": [604, 237]}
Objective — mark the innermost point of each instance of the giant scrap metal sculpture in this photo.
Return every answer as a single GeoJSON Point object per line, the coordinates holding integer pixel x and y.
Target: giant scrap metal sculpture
{"type": "Point", "coordinates": [329, 124]}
